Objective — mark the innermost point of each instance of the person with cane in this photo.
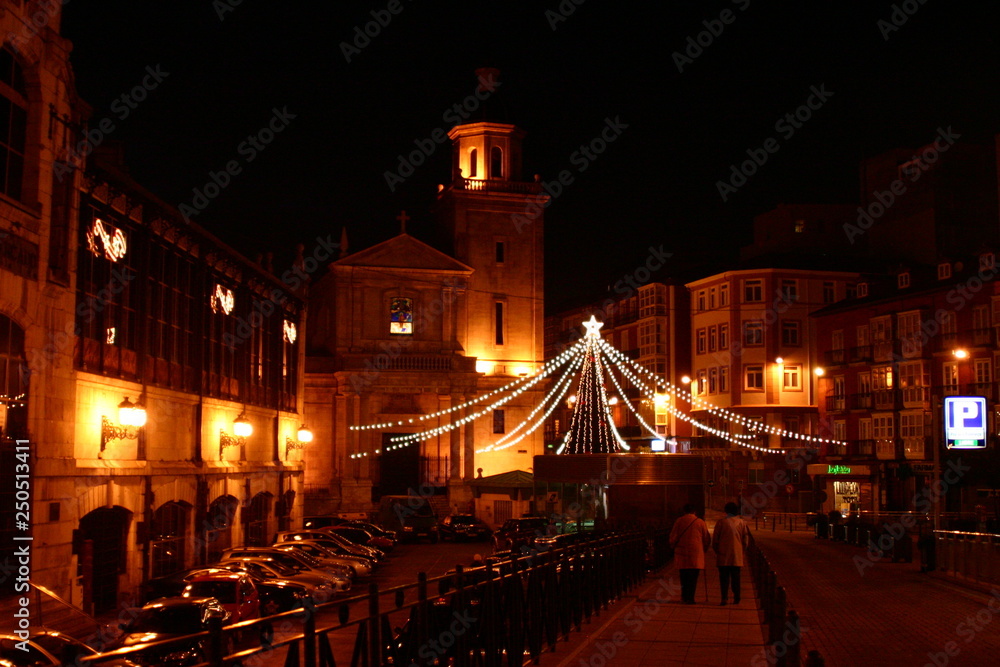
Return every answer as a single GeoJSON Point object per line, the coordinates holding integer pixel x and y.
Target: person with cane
{"type": "Point", "coordinates": [690, 540]}
{"type": "Point", "coordinates": [730, 541]}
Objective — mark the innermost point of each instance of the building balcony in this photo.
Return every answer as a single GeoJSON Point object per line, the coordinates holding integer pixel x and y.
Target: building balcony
{"type": "Point", "coordinates": [834, 357]}
{"type": "Point", "coordinates": [882, 351]}
{"type": "Point", "coordinates": [866, 447]}
{"type": "Point", "coordinates": [885, 399]}
{"type": "Point", "coordinates": [985, 389]}
{"type": "Point", "coordinates": [836, 402]}
{"type": "Point", "coordinates": [497, 185]}
{"type": "Point", "coordinates": [916, 447]}
{"type": "Point", "coordinates": [886, 449]}
{"type": "Point", "coordinates": [861, 401]}
{"type": "Point", "coordinates": [861, 353]}
{"type": "Point", "coordinates": [982, 337]}
{"type": "Point", "coordinates": [916, 397]}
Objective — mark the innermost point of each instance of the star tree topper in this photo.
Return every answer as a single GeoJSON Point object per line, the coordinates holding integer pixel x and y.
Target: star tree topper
{"type": "Point", "coordinates": [593, 327]}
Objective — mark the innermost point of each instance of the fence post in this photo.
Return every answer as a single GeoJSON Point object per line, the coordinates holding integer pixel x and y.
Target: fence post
{"type": "Point", "coordinates": [777, 621]}
{"type": "Point", "coordinates": [309, 633]}
{"type": "Point", "coordinates": [374, 631]}
{"type": "Point", "coordinates": [793, 657]}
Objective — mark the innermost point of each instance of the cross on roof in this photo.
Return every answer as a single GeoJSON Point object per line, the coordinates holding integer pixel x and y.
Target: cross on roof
{"type": "Point", "coordinates": [402, 217]}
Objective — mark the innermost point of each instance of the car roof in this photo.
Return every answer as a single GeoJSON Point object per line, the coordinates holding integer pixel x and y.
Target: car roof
{"type": "Point", "coordinates": [180, 602]}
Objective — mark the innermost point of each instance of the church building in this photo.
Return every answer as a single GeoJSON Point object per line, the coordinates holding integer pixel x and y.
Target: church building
{"type": "Point", "coordinates": [403, 335]}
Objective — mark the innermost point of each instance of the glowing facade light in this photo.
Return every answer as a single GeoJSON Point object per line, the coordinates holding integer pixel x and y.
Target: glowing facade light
{"type": "Point", "coordinates": [290, 331]}
{"type": "Point", "coordinates": [819, 371]}
{"type": "Point", "coordinates": [242, 427]}
{"type": "Point", "coordinates": [131, 414]}
{"type": "Point", "coordinates": [961, 354]}
{"type": "Point", "coordinates": [106, 240]}
{"type": "Point", "coordinates": [222, 300]}
{"type": "Point", "coordinates": [304, 434]}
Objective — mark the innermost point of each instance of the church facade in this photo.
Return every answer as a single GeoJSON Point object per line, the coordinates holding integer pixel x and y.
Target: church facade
{"type": "Point", "coordinates": [407, 338]}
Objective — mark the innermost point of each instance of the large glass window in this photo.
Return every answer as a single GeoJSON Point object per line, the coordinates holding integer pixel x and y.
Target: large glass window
{"type": "Point", "coordinates": [401, 316]}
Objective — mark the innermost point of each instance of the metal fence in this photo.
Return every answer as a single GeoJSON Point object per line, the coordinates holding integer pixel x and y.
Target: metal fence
{"type": "Point", "coordinates": [974, 556]}
{"type": "Point", "coordinates": [504, 613]}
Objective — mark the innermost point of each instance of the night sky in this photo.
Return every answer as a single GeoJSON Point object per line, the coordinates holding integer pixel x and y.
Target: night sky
{"type": "Point", "coordinates": [229, 66]}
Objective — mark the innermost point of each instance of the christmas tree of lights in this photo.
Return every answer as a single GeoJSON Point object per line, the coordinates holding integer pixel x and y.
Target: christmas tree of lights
{"type": "Point", "coordinates": [591, 430]}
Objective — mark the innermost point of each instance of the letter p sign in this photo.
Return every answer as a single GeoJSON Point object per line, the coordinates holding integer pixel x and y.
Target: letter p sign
{"type": "Point", "coordinates": [965, 422]}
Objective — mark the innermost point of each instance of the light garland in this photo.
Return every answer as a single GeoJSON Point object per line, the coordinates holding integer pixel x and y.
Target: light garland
{"type": "Point", "coordinates": [721, 412]}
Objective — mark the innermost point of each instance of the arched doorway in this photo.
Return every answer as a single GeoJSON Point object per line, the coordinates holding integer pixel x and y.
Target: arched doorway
{"type": "Point", "coordinates": [103, 555]}
{"type": "Point", "coordinates": [168, 538]}
{"type": "Point", "coordinates": [14, 375]}
{"type": "Point", "coordinates": [219, 526]}
{"type": "Point", "coordinates": [257, 532]}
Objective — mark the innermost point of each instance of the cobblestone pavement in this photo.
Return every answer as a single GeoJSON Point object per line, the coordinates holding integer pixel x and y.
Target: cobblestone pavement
{"type": "Point", "coordinates": [858, 612]}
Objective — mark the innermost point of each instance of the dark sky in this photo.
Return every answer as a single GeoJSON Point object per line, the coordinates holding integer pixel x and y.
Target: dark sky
{"type": "Point", "coordinates": [655, 185]}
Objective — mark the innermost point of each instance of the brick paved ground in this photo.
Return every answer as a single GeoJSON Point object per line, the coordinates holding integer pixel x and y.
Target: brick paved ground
{"type": "Point", "coordinates": [891, 614]}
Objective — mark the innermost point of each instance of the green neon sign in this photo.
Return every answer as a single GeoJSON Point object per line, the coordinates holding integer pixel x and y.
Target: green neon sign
{"type": "Point", "coordinates": [838, 470]}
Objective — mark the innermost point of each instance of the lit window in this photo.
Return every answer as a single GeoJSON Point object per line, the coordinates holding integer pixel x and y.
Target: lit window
{"type": "Point", "coordinates": [791, 378]}
{"type": "Point", "coordinates": [701, 338]}
{"type": "Point", "coordinates": [944, 271]}
{"type": "Point", "coordinates": [401, 316]}
{"type": "Point", "coordinates": [473, 163]}
{"type": "Point", "coordinates": [903, 280]}
{"type": "Point", "coordinates": [754, 377]}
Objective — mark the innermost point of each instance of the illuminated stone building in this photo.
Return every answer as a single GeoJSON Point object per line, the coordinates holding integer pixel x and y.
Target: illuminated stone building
{"type": "Point", "coordinates": [402, 330]}
{"type": "Point", "coordinates": [131, 342]}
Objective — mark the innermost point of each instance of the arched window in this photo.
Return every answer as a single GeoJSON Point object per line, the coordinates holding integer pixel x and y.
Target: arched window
{"type": "Point", "coordinates": [473, 163]}
{"type": "Point", "coordinates": [219, 526]}
{"type": "Point", "coordinates": [496, 162]}
{"type": "Point", "coordinates": [13, 121]}
{"type": "Point", "coordinates": [257, 516]}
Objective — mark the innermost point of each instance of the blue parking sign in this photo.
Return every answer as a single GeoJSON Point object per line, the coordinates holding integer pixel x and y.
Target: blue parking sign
{"type": "Point", "coordinates": [965, 422]}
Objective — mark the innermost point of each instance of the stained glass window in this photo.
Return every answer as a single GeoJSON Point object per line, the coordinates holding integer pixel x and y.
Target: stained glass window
{"type": "Point", "coordinates": [401, 316]}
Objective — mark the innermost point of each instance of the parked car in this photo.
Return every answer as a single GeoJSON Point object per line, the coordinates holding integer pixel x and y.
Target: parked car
{"type": "Point", "coordinates": [321, 521]}
{"type": "Point", "coordinates": [328, 542]}
{"type": "Point", "coordinates": [236, 592]}
{"type": "Point", "coordinates": [358, 566]}
{"type": "Point", "coordinates": [515, 533]}
{"type": "Point", "coordinates": [411, 517]}
{"type": "Point", "coordinates": [168, 618]}
{"type": "Point", "coordinates": [464, 527]}
{"type": "Point", "coordinates": [363, 537]}
{"type": "Point", "coordinates": [373, 528]}
{"type": "Point", "coordinates": [335, 574]}
{"type": "Point", "coordinates": [48, 648]}
{"type": "Point", "coordinates": [343, 545]}
{"type": "Point", "coordinates": [319, 588]}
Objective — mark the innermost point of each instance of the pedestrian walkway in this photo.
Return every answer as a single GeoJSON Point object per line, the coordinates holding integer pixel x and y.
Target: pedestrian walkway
{"type": "Point", "coordinates": [858, 612]}
{"type": "Point", "coordinates": [651, 627]}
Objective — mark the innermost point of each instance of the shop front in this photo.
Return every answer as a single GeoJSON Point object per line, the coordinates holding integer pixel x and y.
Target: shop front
{"type": "Point", "coordinates": [848, 489]}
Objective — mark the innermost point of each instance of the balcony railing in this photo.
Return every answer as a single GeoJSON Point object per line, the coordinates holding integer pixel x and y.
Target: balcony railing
{"type": "Point", "coordinates": [882, 351]}
{"type": "Point", "coordinates": [836, 402]}
{"type": "Point", "coordinates": [982, 337]}
{"type": "Point", "coordinates": [885, 399]}
{"type": "Point", "coordinates": [885, 448]}
{"type": "Point", "coordinates": [916, 447]}
{"type": "Point", "coordinates": [496, 185]}
{"type": "Point", "coordinates": [866, 447]}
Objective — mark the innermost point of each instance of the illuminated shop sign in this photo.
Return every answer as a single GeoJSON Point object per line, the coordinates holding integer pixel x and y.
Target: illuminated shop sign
{"type": "Point", "coordinates": [965, 422]}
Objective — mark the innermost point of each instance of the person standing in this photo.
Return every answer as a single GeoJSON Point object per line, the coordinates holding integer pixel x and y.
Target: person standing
{"type": "Point", "coordinates": [690, 540]}
{"type": "Point", "coordinates": [729, 540]}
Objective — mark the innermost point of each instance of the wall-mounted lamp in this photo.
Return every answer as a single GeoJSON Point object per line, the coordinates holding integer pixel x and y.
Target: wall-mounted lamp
{"type": "Point", "coordinates": [242, 429]}
{"type": "Point", "coordinates": [131, 417]}
{"type": "Point", "coordinates": [304, 435]}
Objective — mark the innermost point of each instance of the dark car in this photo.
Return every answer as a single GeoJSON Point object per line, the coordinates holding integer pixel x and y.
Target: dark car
{"type": "Point", "coordinates": [362, 537]}
{"type": "Point", "coordinates": [321, 521]}
{"type": "Point", "coordinates": [464, 527]}
{"type": "Point", "coordinates": [48, 648]}
{"type": "Point", "coordinates": [515, 533]}
{"type": "Point", "coordinates": [170, 618]}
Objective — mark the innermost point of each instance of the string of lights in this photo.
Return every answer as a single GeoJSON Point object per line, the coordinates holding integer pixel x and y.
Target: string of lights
{"type": "Point", "coordinates": [642, 422]}
{"type": "Point", "coordinates": [564, 382]}
{"type": "Point", "coordinates": [699, 403]}
{"type": "Point", "coordinates": [510, 386]}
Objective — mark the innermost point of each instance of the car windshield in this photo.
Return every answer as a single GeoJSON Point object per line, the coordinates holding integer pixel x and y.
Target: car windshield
{"type": "Point", "coordinates": [181, 620]}
{"type": "Point", "coordinates": [463, 520]}
{"type": "Point", "coordinates": [224, 591]}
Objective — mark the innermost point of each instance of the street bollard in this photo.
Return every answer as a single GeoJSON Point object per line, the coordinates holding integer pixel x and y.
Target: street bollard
{"type": "Point", "coordinates": [792, 657]}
